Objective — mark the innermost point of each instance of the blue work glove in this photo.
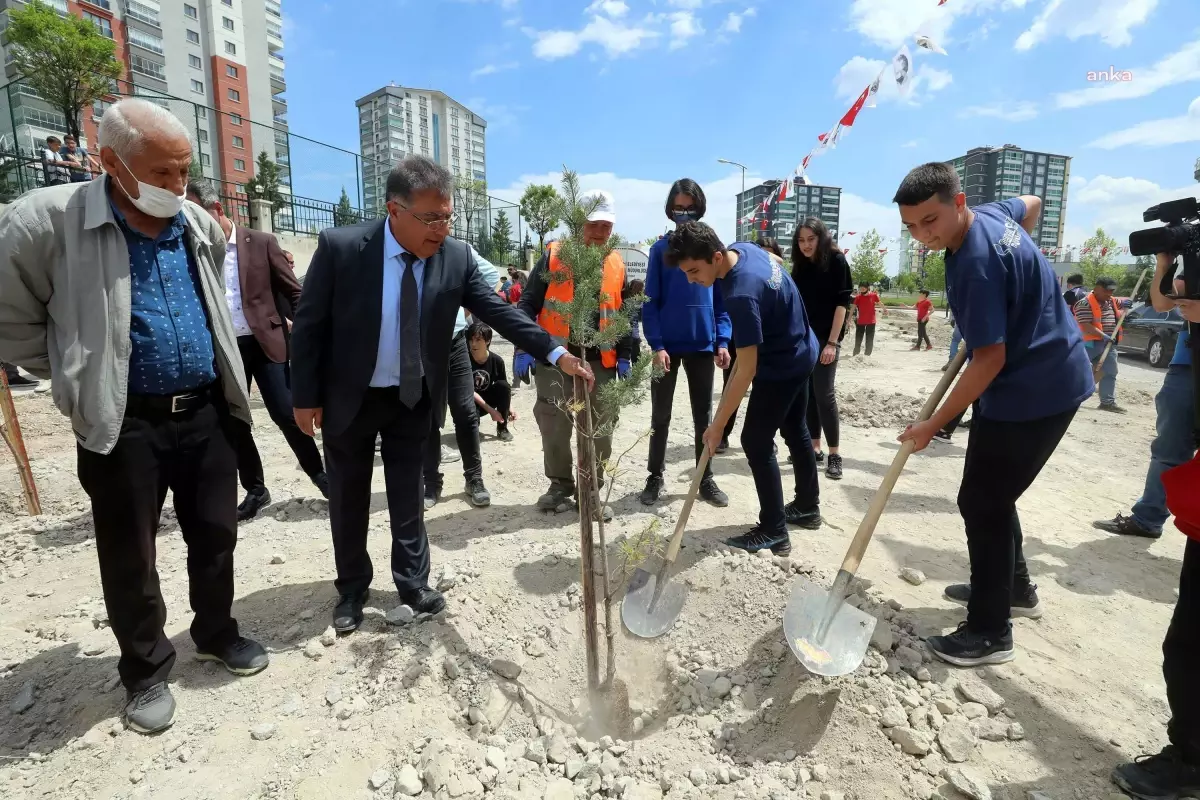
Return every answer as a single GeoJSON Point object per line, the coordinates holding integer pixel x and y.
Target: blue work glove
{"type": "Point", "coordinates": [624, 367]}
{"type": "Point", "coordinates": [523, 365]}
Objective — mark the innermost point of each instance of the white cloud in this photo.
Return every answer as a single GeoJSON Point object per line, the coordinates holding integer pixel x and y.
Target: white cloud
{"type": "Point", "coordinates": [684, 26]}
{"type": "Point", "coordinates": [911, 143]}
{"type": "Point", "coordinates": [1115, 204]}
{"type": "Point", "coordinates": [692, 4]}
{"type": "Point", "coordinates": [733, 22]}
{"type": "Point", "coordinates": [1178, 67]}
{"type": "Point", "coordinates": [891, 23]}
{"type": "Point", "coordinates": [1109, 20]}
{"type": "Point", "coordinates": [612, 8]}
{"type": "Point", "coordinates": [1156, 132]}
{"type": "Point", "coordinates": [857, 74]}
{"type": "Point", "coordinates": [1012, 112]}
{"type": "Point", "coordinates": [616, 38]}
{"type": "Point", "coordinates": [860, 215]}
{"type": "Point", "coordinates": [492, 69]}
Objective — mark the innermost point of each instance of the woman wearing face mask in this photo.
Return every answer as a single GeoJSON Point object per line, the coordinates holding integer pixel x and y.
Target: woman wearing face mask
{"type": "Point", "coordinates": [687, 328]}
{"type": "Point", "coordinates": [823, 278]}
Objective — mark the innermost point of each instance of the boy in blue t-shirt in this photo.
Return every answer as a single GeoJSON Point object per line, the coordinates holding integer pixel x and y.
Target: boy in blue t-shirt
{"type": "Point", "coordinates": [1028, 375]}
{"type": "Point", "coordinates": [777, 350]}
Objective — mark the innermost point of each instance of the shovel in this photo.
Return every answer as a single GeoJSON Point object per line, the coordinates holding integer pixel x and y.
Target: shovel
{"type": "Point", "coordinates": [828, 636]}
{"type": "Point", "coordinates": [1098, 369]}
{"type": "Point", "coordinates": [652, 602]}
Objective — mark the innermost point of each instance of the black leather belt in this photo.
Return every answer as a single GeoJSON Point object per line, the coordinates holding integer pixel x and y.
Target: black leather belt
{"type": "Point", "coordinates": [165, 404]}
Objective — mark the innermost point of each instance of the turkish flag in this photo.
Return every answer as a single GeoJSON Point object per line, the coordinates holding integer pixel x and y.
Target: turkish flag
{"type": "Point", "coordinates": [849, 116]}
{"type": "Point", "coordinates": [1183, 496]}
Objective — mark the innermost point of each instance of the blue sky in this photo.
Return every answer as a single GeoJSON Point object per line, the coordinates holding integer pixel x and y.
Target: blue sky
{"type": "Point", "coordinates": [636, 93]}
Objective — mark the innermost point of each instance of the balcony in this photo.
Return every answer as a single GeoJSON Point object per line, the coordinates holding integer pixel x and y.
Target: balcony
{"type": "Point", "coordinates": [104, 4]}
{"type": "Point", "coordinates": [1196, 174]}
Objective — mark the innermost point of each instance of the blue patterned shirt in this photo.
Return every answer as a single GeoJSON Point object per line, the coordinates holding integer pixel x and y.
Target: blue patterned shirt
{"type": "Point", "coordinates": [172, 344]}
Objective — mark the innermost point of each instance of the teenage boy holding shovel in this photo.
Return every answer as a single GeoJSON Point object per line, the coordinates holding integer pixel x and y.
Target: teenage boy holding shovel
{"type": "Point", "coordinates": [777, 350]}
{"type": "Point", "coordinates": [1028, 371]}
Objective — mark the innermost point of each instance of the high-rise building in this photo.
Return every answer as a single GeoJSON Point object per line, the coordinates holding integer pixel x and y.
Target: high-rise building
{"type": "Point", "coordinates": [912, 254]}
{"type": "Point", "coordinates": [216, 64]}
{"type": "Point", "coordinates": [782, 216]}
{"type": "Point", "coordinates": [989, 174]}
{"type": "Point", "coordinates": [396, 121]}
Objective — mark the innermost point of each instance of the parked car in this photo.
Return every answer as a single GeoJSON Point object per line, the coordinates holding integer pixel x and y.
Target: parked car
{"type": "Point", "coordinates": [1152, 334]}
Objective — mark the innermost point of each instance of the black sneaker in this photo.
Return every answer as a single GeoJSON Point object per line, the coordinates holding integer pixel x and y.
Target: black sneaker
{"type": "Point", "coordinates": [712, 493]}
{"type": "Point", "coordinates": [151, 710]}
{"type": "Point", "coordinates": [723, 446]}
{"type": "Point", "coordinates": [653, 490]}
{"type": "Point", "coordinates": [1125, 526]}
{"type": "Point", "coordinates": [1113, 407]}
{"type": "Point", "coordinates": [19, 383]}
{"type": "Point", "coordinates": [820, 456]}
{"type": "Point", "coordinates": [432, 495]}
{"type": "Point", "coordinates": [757, 539]}
{"type": "Point", "coordinates": [321, 481]}
{"type": "Point", "coordinates": [1025, 601]}
{"type": "Point", "coordinates": [1162, 776]}
{"type": "Point", "coordinates": [477, 493]}
{"type": "Point", "coordinates": [242, 656]}
{"type": "Point", "coordinates": [943, 436]}
{"type": "Point", "coordinates": [252, 504]}
{"type": "Point", "coordinates": [555, 498]}
{"type": "Point", "coordinates": [965, 648]}
{"type": "Point", "coordinates": [834, 469]}
{"type": "Point", "coordinates": [809, 519]}
{"type": "Point", "coordinates": [503, 433]}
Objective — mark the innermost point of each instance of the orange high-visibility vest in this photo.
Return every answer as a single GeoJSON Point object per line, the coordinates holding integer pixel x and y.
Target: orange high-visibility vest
{"type": "Point", "coordinates": [563, 291]}
{"type": "Point", "coordinates": [1098, 318]}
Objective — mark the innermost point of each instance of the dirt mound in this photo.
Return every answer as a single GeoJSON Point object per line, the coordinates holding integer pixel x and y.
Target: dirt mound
{"type": "Point", "coordinates": [864, 407]}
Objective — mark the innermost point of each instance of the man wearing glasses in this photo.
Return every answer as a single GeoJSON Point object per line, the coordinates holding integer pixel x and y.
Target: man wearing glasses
{"type": "Point", "coordinates": [370, 356]}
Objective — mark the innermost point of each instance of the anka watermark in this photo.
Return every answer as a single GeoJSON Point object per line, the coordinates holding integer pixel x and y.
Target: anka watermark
{"type": "Point", "coordinates": [1111, 75]}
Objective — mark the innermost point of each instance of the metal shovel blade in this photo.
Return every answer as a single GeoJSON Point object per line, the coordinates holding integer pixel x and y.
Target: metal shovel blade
{"type": "Point", "coordinates": [636, 611]}
{"type": "Point", "coordinates": [840, 648]}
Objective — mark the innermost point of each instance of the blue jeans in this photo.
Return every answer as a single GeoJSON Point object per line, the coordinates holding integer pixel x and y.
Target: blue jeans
{"type": "Point", "coordinates": [1108, 374]}
{"type": "Point", "coordinates": [955, 341]}
{"type": "Point", "coordinates": [1173, 445]}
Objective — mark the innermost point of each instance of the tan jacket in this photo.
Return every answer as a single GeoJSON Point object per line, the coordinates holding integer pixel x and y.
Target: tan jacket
{"type": "Point", "coordinates": [65, 305]}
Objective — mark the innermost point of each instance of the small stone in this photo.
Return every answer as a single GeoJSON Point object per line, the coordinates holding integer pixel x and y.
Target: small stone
{"type": "Point", "coordinates": [820, 772]}
{"type": "Point", "coordinates": [574, 766]}
{"type": "Point", "coordinates": [1016, 732]}
{"type": "Point", "coordinates": [990, 730]}
{"type": "Point", "coordinates": [260, 733]}
{"type": "Point", "coordinates": [981, 693]}
{"type": "Point", "coordinates": [535, 751]}
{"type": "Point", "coordinates": [379, 779]}
{"type": "Point", "coordinates": [136, 776]}
{"type": "Point", "coordinates": [476, 716]}
{"type": "Point", "coordinates": [1036, 795]}
{"type": "Point", "coordinates": [882, 638]}
{"type": "Point", "coordinates": [494, 756]}
{"type": "Point", "coordinates": [450, 667]}
{"type": "Point", "coordinates": [559, 789]}
{"type": "Point", "coordinates": [400, 615]}
{"type": "Point", "coordinates": [721, 687]}
{"type": "Point", "coordinates": [913, 576]}
{"type": "Point", "coordinates": [698, 777]}
{"type": "Point", "coordinates": [329, 637]}
{"type": "Point", "coordinates": [831, 794]}
{"type": "Point", "coordinates": [638, 725]}
{"type": "Point", "coordinates": [945, 705]}
{"type": "Point", "coordinates": [909, 658]}
{"type": "Point", "coordinates": [95, 647]}
{"type": "Point", "coordinates": [536, 648]}
{"type": "Point", "coordinates": [706, 676]}
{"type": "Point", "coordinates": [915, 743]}
{"type": "Point", "coordinates": [278, 559]}
{"type": "Point", "coordinates": [957, 740]}
{"type": "Point", "coordinates": [893, 717]}
{"type": "Point", "coordinates": [307, 614]}
{"type": "Point", "coordinates": [408, 782]}
{"type": "Point", "coordinates": [24, 699]}
{"type": "Point", "coordinates": [557, 750]}
{"type": "Point", "coordinates": [968, 783]}
{"type": "Point", "coordinates": [974, 710]}
{"type": "Point", "coordinates": [506, 668]}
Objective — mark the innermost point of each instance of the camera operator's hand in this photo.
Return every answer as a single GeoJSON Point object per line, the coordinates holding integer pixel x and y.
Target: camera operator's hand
{"type": "Point", "coordinates": [1190, 309]}
{"type": "Point", "coordinates": [1163, 263]}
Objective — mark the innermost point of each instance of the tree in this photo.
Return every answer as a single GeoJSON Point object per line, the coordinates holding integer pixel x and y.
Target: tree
{"type": "Point", "coordinates": [1127, 282]}
{"type": "Point", "coordinates": [1098, 258]}
{"type": "Point", "coordinates": [65, 59]}
{"type": "Point", "coordinates": [194, 169]}
{"type": "Point", "coordinates": [906, 282]}
{"type": "Point", "coordinates": [265, 183]}
{"type": "Point", "coordinates": [470, 201]}
{"type": "Point", "coordinates": [502, 243]}
{"type": "Point", "coordinates": [344, 213]}
{"type": "Point", "coordinates": [540, 206]}
{"type": "Point", "coordinates": [866, 262]}
{"type": "Point", "coordinates": [935, 271]}
{"type": "Point", "coordinates": [483, 245]}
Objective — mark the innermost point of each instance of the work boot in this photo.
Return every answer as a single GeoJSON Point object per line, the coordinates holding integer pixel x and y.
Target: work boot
{"type": "Point", "coordinates": [757, 539]}
{"type": "Point", "coordinates": [477, 493]}
{"type": "Point", "coordinates": [321, 481]}
{"type": "Point", "coordinates": [1025, 601]}
{"type": "Point", "coordinates": [19, 383]}
{"type": "Point", "coordinates": [433, 493]}
{"type": "Point", "coordinates": [653, 491]}
{"type": "Point", "coordinates": [712, 493]}
{"type": "Point", "coordinates": [834, 469]}
{"type": "Point", "coordinates": [503, 433]}
{"type": "Point", "coordinates": [1162, 776]}
{"type": "Point", "coordinates": [968, 648]}
{"type": "Point", "coordinates": [555, 498]}
{"type": "Point", "coordinates": [809, 519]}
{"type": "Point", "coordinates": [241, 657]}
{"type": "Point", "coordinates": [1113, 408]}
{"type": "Point", "coordinates": [254, 502]}
{"type": "Point", "coordinates": [151, 710]}
{"type": "Point", "coordinates": [1125, 526]}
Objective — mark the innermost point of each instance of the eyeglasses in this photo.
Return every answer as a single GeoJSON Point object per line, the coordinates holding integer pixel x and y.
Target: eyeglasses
{"type": "Point", "coordinates": [434, 223]}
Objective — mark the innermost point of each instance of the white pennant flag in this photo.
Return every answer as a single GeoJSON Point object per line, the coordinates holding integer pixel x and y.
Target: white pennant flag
{"type": "Point", "coordinates": [872, 91]}
{"type": "Point", "coordinates": [930, 45]}
{"type": "Point", "coordinates": [902, 68]}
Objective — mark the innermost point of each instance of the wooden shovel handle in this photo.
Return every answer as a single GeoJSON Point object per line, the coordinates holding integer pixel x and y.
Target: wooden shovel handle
{"type": "Point", "coordinates": [866, 528]}
{"type": "Point", "coordinates": [677, 538]}
{"type": "Point", "coordinates": [1099, 368]}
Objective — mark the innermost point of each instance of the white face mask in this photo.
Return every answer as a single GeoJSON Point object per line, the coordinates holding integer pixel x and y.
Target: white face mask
{"type": "Point", "coordinates": [153, 201]}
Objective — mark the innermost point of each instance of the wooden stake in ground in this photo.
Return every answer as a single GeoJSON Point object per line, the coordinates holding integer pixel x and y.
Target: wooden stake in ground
{"type": "Point", "coordinates": [11, 431]}
{"type": "Point", "coordinates": [587, 542]}
{"type": "Point", "coordinates": [610, 665]}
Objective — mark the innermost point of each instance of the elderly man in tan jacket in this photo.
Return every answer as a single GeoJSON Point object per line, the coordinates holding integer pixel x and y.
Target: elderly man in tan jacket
{"type": "Point", "coordinates": [113, 289]}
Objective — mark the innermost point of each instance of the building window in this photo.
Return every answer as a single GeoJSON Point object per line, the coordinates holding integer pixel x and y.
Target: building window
{"type": "Point", "coordinates": [201, 112]}
{"type": "Point", "coordinates": [190, 11]}
{"type": "Point", "coordinates": [102, 24]}
{"type": "Point", "coordinates": [194, 61]}
{"type": "Point", "coordinates": [239, 143]}
{"type": "Point", "coordinates": [231, 70]}
{"type": "Point", "coordinates": [228, 3]}
{"type": "Point", "coordinates": [239, 164]}
{"type": "Point", "coordinates": [202, 135]}
{"type": "Point", "coordinates": [193, 37]}
{"type": "Point", "coordinates": [239, 188]}
{"type": "Point", "coordinates": [145, 66]}
{"type": "Point", "coordinates": [235, 119]}
{"type": "Point", "coordinates": [205, 160]}
{"type": "Point", "coordinates": [197, 86]}
{"type": "Point", "coordinates": [231, 48]}
{"type": "Point", "coordinates": [235, 95]}
{"type": "Point", "coordinates": [227, 23]}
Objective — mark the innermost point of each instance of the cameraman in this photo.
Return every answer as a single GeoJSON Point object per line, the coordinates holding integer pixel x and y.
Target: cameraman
{"type": "Point", "coordinates": [1175, 771]}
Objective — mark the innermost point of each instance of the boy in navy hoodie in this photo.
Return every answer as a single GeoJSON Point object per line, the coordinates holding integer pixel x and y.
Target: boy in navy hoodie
{"type": "Point", "coordinates": [777, 350]}
{"type": "Point", "coordinates": [686, 327]}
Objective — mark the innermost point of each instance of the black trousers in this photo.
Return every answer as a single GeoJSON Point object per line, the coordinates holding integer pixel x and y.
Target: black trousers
{"type": "Point", "coordinates": [822, 404]}
{"type": "Point", "coordinates": [1181, 649]}
{"type": "Point", "coordinates": [864, 330]}
{"type": "Point", "coordinates": [779, 406]}
{"type": "Point", "coordinates": [498, 396]}
{"type": "Point", "coordinates": [1002, 461]}
{"type": "Point", "coordinates": [700, 370]}
{"type": "Point", "coordinates": [728, 372]}
{"type": "Point", "coordinates": [189, 453]}
{"type": "Point", "coordinates": [275, 385]}
{"type": "Point", "coordinates": [953, 424]}
{"type": "Point", "coordinates": [460, 397]}
{"type": "Point", "coordinates": [923, 334]}
{"type": "Point", "coordinates": [350, 461]}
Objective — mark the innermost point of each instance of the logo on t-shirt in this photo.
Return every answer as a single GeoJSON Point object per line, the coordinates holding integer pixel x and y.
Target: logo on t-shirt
{"type": "Point", "coordinates": [483, 380]}
{"type": "Point", "coordinates": [1010, 239]}
{"type": "Point", "coordinates": [776, 279]}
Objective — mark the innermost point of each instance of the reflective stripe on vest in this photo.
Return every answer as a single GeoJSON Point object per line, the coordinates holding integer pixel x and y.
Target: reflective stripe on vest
{"type": "Point", "coordinates": [563, 291]}
{"type": "Point", "coordinates": [1098, 318]}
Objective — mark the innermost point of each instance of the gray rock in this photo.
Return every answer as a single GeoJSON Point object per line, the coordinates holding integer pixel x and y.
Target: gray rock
{"type": "Point", "coordinates": [1036, 795]}
{"type": "Point", "coordinates": [476, 716]}
{"type": "Point", "coordinates": [913, 576]}
{"type": "Point", "coordinates": [506, 668]}
{"type": "Point", "coordinates": [946, 705]}
{"type": "Point", "coordinates": [956, 740]}
{"type": "Point", "coordinates": [1016, 732]}
{"type": "Point", "coordinates": [820, 772]}
{"type": "Point", "coordinates": [908, 657]}
{"type": "Point", "coordinates": [831, 794]}
{"type": "Point", "coordinates": [379, 779]}
{"type": "Point", "coordinates": [408, 782]}
{"type": "Point", "coordinates": [24, 699]}
{"type": "Point", "coordinates": [313, 649]}
{"type": "Point", "coordinates": [278, 559]}
{"type": "Point", "coordinates": [573, 767]}
{"type": "Point", "coordinates": [260, 733]}
{"type": "Point", "coordinates": [981, 693]}
{"type": "Point", "coordinates": [535, 751]}
{"type": "Point", "coordinates": [400, 615]}
{"type": "Point", "coordinates": [643, 791]}
{"type": "Point", "coordinates": [329, 636]}
{"type": "Point", "coordinates": [968, 783]}
{"type": "Point", "coordinates": [974, 710]}
{"type": "Point", "coordinates": [557, 751]}
{"type": "Point", "coordinates": [915, 743]}
{"type": "Point", "coordinates": [706, 676]}
{"type": "Point", "coordinates": [990, 730]}
{"type": "Point", "coordinates": [721, 687]}
{"type": "Point", "coordinates": [437, 772]}
{"type": "Point", "coordinates": [559, 789]}
{"type": "Point", "coordinates": [333, 695]}
{"type": "Point", "coordinates": [698, 777]}
{"type": "Point", "coordinates": [450, 667]}
{"type": "Point", "coordinates": [494, 756]}
{"type": "Point", "coordinates": [893, 717]}
{"type": "Point", "coordinates": [882, 638]}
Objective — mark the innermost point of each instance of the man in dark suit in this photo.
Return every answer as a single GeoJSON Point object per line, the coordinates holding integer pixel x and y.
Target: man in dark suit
{"type": "Point", "coordinates": [371, 349]}
{"type": "Point", "coordinates": [261, 291]}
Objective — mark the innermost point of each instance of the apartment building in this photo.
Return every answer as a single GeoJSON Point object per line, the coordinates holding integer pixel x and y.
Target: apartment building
{"type": "Point", "coordinates": [989, 174]}
{"type": "Point", "coordinates": [396, 121]}
{"type": "Point", "coordinates": [216, 64]}
{"type": "Point", "coordinates": [912, 254]}
{"type": "Point", "coordinates": [780, 220]}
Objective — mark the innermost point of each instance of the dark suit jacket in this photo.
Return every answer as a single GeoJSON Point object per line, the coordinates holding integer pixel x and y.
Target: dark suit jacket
{"type": "Point", "coordinates": [335, 337]}
{"type": "Point", "coordinates": [267, 280]}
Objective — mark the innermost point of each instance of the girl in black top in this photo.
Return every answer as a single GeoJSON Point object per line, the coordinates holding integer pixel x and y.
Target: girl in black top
{"type": "Point", "coordinates": [823, 277]}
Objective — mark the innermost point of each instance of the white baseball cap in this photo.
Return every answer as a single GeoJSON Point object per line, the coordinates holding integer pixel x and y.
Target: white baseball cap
{"type": "Point", "coordinates": [605, 210]}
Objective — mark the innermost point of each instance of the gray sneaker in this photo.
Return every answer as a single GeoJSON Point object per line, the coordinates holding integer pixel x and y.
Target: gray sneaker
{"type": "Point", "coordinates": [151, 710]}
{"type": "Point", "coordinates": [450, 455]}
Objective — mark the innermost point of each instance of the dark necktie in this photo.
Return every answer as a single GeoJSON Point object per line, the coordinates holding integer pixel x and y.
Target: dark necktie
{"type": "Point", "coordinates": [411, 384]}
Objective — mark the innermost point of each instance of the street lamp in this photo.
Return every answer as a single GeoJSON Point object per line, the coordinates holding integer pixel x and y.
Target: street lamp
{"type": "Point", "coordinates": [743, 168]}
